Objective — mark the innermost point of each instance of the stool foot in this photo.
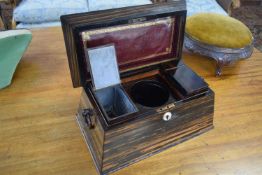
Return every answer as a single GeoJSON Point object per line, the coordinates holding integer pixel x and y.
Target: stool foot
{"type": "Point", "coordinates": [220, 64]}
{"type": "Point", "coordinates": [218, 70]}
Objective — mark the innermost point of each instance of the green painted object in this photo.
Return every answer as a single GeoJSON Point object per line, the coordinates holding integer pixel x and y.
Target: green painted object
{"type": "Point", "coordinates": [13, 44]}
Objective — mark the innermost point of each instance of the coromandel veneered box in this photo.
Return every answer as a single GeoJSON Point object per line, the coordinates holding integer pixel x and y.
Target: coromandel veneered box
{"type": "Point", "coordinates": [138, 97]}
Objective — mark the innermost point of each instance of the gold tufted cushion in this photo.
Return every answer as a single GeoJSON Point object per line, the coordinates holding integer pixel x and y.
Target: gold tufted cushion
{"type": "Point", "coordinates": [218, 30]}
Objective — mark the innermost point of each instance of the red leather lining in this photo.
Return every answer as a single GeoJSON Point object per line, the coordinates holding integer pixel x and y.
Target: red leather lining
{"type": "Point", "coordinates": [137, 46]}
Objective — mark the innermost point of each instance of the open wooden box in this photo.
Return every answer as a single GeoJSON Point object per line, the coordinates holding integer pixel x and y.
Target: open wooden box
{"type": "Point", "coordinates": [138, 97]}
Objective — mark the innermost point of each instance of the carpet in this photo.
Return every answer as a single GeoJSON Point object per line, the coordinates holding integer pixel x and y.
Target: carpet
{"type": "Point", "coordinates": [250, 13]}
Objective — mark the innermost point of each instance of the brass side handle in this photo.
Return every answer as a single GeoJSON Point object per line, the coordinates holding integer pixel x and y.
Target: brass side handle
{"type": "Point", "coordinates": [88, 116]}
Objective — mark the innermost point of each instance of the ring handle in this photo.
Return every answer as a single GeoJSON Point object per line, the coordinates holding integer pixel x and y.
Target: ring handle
{"type": "Point", "coordinates": [88, 114]}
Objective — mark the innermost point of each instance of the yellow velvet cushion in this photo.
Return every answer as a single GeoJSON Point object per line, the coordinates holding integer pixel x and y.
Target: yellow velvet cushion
{"type": "Point", "coordinates": [218, 30]}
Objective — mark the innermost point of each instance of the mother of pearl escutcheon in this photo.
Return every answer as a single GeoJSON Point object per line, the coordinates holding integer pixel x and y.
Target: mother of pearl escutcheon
{"type": "Point", "coordinates": [167, 116]}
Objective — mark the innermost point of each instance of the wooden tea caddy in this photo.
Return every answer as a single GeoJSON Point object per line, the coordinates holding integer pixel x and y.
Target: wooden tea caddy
{"type": "Point", "coordinates": [154, 101]}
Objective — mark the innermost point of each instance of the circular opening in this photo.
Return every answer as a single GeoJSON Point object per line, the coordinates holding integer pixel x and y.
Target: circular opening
{"type": "Point", "coordinates": [150, 93]}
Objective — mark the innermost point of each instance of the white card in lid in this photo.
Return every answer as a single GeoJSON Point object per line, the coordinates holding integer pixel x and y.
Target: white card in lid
{"type": "Point", "coordinates": [103, 65]}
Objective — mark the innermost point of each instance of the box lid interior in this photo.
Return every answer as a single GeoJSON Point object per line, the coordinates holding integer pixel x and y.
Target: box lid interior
{"type": "Point", "coordinates": [143, 36]}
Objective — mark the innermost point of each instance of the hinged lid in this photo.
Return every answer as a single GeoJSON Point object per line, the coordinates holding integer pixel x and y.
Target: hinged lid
{"type": "Point", "coordinates": [143, 36]}
{"type": "Point", "coordinates": [103, 66]}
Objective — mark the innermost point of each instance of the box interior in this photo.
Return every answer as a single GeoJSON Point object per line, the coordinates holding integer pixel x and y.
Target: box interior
{"type": "Point", "coordinates": [119, 100]}
{"type": "Point", "coordinates": [115, 101]}
{"type": "Point", "coordinates": [106, 82]}
{"type": "Point", "coordinates": [150, 93]}
{"type": "Point", "coordinates": [143, 94]}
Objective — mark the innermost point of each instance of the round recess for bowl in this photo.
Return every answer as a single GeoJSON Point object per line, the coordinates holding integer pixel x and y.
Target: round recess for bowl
{"type": "Point", "coordinates": [150, 93]}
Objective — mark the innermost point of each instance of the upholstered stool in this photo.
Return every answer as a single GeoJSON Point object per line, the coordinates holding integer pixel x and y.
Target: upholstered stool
{"type": "Point", "coordinates": [220, 37]}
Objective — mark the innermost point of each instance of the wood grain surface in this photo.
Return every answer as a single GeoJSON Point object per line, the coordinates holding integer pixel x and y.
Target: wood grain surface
{"type": "Point", "coordinates": [129, 142]}
{"type": "Point", "coordinates": [39, 134]}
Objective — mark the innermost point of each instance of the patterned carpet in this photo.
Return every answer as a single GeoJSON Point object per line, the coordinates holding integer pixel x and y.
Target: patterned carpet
{"type": "Point", "coordinates": [251, 15]}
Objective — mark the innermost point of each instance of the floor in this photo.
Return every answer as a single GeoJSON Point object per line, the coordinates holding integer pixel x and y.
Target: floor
{"type": "Point", "coordinates": [250, 13]}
